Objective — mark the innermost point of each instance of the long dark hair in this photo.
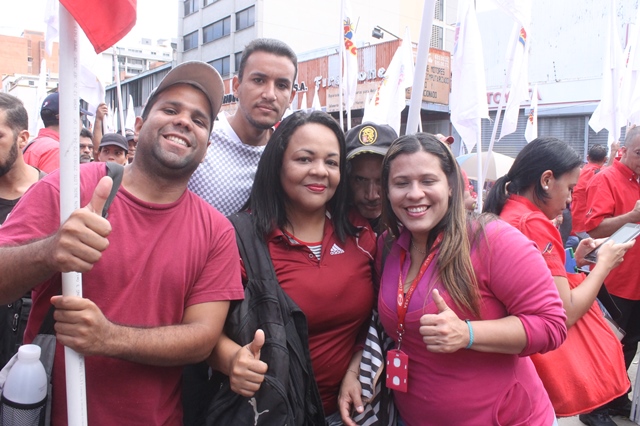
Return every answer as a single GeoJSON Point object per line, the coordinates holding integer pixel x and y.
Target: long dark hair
{"type": "Point", "coordinates": [454, 259]}
{"type": "Point", "coordinates": [536, 157]}
{"type": "Point", "coordinates": [268, 199]}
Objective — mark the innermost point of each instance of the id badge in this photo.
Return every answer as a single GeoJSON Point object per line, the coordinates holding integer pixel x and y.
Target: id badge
{"type": "Point", "coordinates": [397, 370]}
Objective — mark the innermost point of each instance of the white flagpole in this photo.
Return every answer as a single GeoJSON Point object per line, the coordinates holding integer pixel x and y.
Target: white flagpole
{"type": "Point", "coordinates": [119, 93]}
{"type": "Point", "coordinates": [70, 198]}
{"type": "Point", "coordinates": [415, 104]}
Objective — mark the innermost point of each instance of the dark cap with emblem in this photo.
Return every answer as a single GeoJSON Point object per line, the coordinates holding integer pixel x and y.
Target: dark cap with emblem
{"type": "Point", "coordinates": [115, 139]}
{"type": "Point", "coordinates": [369, 138]}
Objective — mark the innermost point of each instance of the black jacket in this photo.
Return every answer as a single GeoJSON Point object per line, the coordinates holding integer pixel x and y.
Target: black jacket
{"type": "Point", "coordinates": [289, 394]}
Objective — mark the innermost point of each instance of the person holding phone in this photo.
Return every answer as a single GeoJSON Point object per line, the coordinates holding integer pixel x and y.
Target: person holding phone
{"type": "Point", "coordinates": [534, 191]}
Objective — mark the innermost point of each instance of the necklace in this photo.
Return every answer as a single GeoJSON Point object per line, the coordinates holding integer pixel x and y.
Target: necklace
{"type": "Point", "coordinates": [417, 249]}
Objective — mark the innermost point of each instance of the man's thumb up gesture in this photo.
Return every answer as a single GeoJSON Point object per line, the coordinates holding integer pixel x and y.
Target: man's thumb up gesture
{"type": "Point", "coordinates": [82, 238]}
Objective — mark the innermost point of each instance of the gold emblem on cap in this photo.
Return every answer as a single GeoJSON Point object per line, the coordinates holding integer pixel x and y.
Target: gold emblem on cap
{"type": "Point", "coordinates": [368, 135]}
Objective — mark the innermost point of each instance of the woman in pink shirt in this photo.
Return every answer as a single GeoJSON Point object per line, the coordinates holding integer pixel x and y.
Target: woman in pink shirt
{"type": "Point", "coordinates": [465, 299]}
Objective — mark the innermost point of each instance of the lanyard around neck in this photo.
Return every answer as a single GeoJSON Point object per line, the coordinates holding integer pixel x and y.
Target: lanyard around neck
{"type": "Point", "coordinates": [402, 302]}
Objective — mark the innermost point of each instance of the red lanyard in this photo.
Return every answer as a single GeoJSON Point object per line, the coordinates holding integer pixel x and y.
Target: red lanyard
{"type": "Point", "coordinates": [403, 300]}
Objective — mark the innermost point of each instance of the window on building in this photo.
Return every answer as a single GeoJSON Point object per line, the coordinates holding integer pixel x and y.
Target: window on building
{"type": "Point", "coordinates": [238, 58]}
{"type": "Point", "coordinates": [216, 30]}
{"type": "Point", "coordinates": [208, 2]}
{"type": "Point", "coordinates": [190, 41]}
{"type": "Point", "coordinates": [437, 34]}
{"type": "Point", "coordinates": [439, 10]}
{"type": "Point", "coordinates": [190, 6]}
{"type": "Point", "coordinates": [222, 65]}
{"type": "Point", "coordinates": [245, 18]}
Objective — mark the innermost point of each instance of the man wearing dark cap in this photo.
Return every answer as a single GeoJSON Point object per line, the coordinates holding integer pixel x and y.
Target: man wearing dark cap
{"type": "Point", "coordinates": [113, 147]}
{"type": "Point", "coordinates": [366, 146]}
{"type": "Point", "coordinates": [43, 152]}
{"type": "Point", "coordinates": [158, 275]}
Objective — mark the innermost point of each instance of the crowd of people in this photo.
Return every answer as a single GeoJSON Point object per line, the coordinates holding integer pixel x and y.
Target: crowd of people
{"type": "Point", "coordinates": [487, 321]}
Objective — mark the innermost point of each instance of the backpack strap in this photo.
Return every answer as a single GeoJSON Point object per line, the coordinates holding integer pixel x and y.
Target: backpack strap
{"type": "Point", "coordinates": [115, 172]}
{"type": "Point", "coordinates": [28, 145]}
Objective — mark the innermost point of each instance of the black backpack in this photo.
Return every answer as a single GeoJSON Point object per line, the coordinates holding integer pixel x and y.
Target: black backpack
{"type": "Point", "coordinates": [289, 394]}
{"type": "Point", "coordinates": [13, 317]}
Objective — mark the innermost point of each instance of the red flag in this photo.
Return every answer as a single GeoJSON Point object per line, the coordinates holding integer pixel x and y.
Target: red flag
{"type": "Point", "coordinates": [104, 22]}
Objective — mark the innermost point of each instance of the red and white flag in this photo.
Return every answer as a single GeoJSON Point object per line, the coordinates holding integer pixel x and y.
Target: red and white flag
{"type": "Point", "coordinates": [104, 22]}
{"type": "Point", "coordinates": [531, 131]}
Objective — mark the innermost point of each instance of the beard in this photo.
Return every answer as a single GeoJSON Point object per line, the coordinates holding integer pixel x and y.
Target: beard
{"type": "Point", "coordinates": [10, 160]}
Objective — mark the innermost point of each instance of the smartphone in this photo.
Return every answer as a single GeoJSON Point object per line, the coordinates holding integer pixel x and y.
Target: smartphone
{"type": "Point", "coordinates": [626, 233]}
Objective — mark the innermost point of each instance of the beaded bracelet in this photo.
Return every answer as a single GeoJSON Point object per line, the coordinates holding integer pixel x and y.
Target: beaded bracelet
{"type": "Point", "coordinates": [470, 334]}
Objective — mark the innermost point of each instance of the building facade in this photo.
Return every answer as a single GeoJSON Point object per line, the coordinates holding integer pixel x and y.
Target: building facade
{"type": "Point", "coordinates": [216, 31]}
{"type": "Point", "coordinates": [566, 56]}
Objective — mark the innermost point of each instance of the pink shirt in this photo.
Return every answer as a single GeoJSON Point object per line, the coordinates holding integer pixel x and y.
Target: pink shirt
{"type": "Point", "coordinates": [469, 387]}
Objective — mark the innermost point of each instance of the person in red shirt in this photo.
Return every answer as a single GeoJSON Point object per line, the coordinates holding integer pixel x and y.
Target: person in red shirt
{"type": "Point", "coordinates": [322, 257]}
{"type": "Point", "coordinates": [43, 152]}
{"type": "Point", "coordinates": [596, 159]}
{"type": "Point", "coordinates": [536, 190]}
{"type": "Point", "coordinates": [613, 199]}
